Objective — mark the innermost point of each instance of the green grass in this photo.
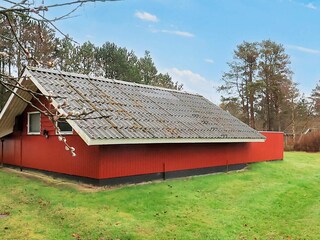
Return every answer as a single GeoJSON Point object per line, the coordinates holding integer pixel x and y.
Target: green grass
{"type": "Point", "coordinates": [271, 200]}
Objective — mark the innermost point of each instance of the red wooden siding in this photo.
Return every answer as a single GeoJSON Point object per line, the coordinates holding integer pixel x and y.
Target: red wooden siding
{"type": "Point", "coordinates": [10, 155]}
{"type": "Point", "coordinates": [101, 162]}
{"type": "Point", "coordinates": [38, 152]}
{"type": "Point", "coordinates": [128, 160]}
{"type": "Point", "coordinates": [49, 154]}
{"type": "Point", "coordinates": [271, 149]}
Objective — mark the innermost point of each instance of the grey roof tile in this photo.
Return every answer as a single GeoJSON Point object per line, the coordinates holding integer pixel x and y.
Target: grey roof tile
{"type": "Point", "coordinates": [125, 110]}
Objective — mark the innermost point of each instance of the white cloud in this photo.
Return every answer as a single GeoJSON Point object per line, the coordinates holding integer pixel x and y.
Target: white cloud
{"type": "Point", "coordinates": [311, 6]}
{"type": "Point", "coordinates": [145, 16]}
{"type": "Point", "coordinates": [178, 33]}
{"type": "Point", "coordinates": [304, 49]}
{"type": "Point", "coordinates": [89, 36]}
{"type": "Point", "coordinates": [208, 60]}
{"type": "Point", "coordinates": [195, 83]}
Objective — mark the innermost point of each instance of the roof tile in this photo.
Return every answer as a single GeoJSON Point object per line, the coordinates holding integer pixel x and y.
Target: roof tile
{"type": "Point", "coordinates": [125, 110]}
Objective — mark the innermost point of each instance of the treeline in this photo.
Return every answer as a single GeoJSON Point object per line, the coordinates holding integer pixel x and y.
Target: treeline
{"type": "Point", "coordinates": [24, 41]}
{"type": "Point", "coordinates": [110, 61]}
{"type": "Point", "coordinates": [258, 88]}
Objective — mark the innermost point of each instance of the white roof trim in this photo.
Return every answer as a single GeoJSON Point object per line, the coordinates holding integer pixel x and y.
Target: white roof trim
{"type": "Point", "coordinates": [6, 130]}
{"type": "Point", "coordinates": [74, 126]}
{"type": "Point", "coordinates": [10, 98]}
{"type": "Point", "coordinates": [170, 140]}
{"type": "Point", "coordinates": [271, 132]}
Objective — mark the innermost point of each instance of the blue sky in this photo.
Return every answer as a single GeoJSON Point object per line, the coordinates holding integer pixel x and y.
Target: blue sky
{"type": "Point", "coordinates": [193, 40]}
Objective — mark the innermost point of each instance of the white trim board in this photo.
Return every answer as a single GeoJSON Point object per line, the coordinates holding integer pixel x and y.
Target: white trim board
{"type": "Point", "coordinates": [169, 140]}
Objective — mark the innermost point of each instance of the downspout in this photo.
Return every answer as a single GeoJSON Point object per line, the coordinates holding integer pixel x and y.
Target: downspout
{"type": "Point", "coordinates": [227, 163]}
{"type": "Point", "coordinates": [21, 151]}
{"type": "Point", "coordinates": [1, 165]}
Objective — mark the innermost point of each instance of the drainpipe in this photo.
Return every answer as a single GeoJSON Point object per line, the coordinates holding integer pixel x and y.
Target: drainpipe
{"type": "Point", "coordinates": [2, 140]}
{"type": "Point", "coordinates": [227, 164]}
{"type": "Point", "coordinates": [21, 152]}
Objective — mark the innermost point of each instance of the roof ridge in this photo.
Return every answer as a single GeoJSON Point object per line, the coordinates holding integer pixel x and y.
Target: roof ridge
{"type": "Point", "coordinates": [56, 71]}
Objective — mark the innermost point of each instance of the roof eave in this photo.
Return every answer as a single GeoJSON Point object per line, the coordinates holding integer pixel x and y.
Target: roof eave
{"type": "Point", "coordinates": [6, 132]}
{"type": "Point", "coordinates": [13, 107]}
{"type": "Point", "coordinates": [92, 142]}
{"type": "Point", "coordinates": [72, 123]}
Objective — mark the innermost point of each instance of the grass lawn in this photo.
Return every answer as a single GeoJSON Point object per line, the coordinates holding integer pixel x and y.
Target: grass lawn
{"type": "Point", "coordinates": [271, 200]}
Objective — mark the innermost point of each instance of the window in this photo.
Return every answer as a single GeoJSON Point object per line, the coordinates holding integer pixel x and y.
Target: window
{"type": "Point", "coordinates": [33, 123]}
{"type": "Point", "coordinates": [64, 127]}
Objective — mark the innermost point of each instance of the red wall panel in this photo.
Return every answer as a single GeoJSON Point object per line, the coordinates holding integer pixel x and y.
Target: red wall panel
{"type": "Point", "coordinates": [110, 161]}
{"type": "Point", "coordinates": [38, 152]}
{"type": "Point", "coordinates": [10, 155]}
{"type": "Point", "coordinates": [49, 154]}
{"type": "Point", "coordinates": [127, 160]}
{"type": "Point", "coordinates": [271, 149]}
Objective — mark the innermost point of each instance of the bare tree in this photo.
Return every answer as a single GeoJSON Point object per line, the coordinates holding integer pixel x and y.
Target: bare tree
{"type": "Point", "coordinates": [240, 80]}
{"type": "Point", "coordinates": [258, 87]}
{"type": "Point", "coordinates": [12, 34]}
{"type": "Point", "coordinates": [315, 98]}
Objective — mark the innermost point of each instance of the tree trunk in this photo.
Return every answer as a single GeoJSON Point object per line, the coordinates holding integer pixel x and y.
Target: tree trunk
{"type": "Point", "coordinates": [251, 98]}
{"type": "Point", "coordinates": [293, 122]}
{"type": "Point", "coordinates": [268, 108]}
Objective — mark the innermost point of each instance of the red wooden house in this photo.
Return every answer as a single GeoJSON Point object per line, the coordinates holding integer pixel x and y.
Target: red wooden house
{"type": "Point", "coordinates": [130, 133]}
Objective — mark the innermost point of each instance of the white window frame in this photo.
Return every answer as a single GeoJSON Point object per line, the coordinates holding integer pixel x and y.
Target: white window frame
{"type": "Point", "coordinates": [63, 132]}
{"type": "Point", "coordinates": [28, 124]}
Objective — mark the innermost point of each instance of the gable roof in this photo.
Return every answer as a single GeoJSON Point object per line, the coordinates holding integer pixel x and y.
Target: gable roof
{"type": "Point", "coordinates": [127, 113]}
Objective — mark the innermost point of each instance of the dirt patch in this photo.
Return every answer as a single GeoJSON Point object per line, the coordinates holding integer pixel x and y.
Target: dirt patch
{"type": "Point", "coordinates": [4, 214]}
{"type": "Point", "coordinates": [83, 187]}
{"type": "Point", "coordinates": [51, 181]}
{"type": "Point", "coordinates": [63, 183]}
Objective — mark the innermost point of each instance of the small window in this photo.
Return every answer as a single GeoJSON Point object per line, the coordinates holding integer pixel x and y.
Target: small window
{"type": "Point", "coordinates": [33, 123]}
{"type": "Point", "coordinates": [64, 127]}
